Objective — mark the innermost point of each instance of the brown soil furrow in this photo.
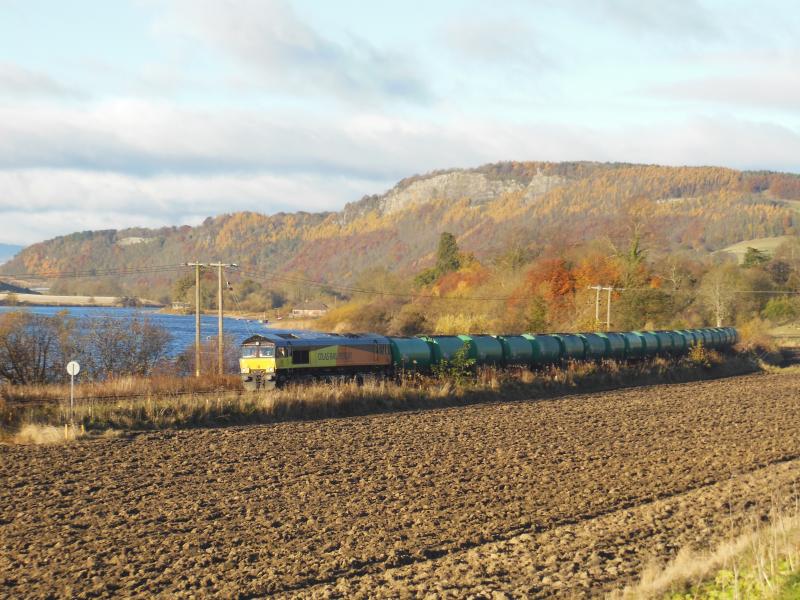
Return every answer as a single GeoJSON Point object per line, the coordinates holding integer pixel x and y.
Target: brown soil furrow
{"type": "Point", "coordinates": [590, 557]}
{"type": "Point", "coordinates": [257, 510]}
{"type": "Point", "coordinates": [448, 549]}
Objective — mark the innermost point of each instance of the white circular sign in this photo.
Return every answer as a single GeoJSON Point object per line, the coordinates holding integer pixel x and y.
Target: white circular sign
{"type": "Point", "coordinates": [73, 368]}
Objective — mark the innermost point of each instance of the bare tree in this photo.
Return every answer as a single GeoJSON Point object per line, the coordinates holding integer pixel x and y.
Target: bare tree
{"type": "Point", "coordinates": [152, 343]}
{"type": "Point", "coordinates": [129, 346]}
{"type": "Point", "coordinates": [107, 346]}
{"type": "Point", "coordinates": [35, 348]}
{"type": "Point", "coordinates": [718, 292]}
{"type": "Point", "coordinates": [32, 347]}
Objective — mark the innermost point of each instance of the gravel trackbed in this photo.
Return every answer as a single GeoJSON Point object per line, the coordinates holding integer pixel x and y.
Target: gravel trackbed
{"type": "Point", "coordinates": [570, 496]}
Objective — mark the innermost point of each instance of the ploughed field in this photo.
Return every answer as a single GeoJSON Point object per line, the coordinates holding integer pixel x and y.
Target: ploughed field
{"type": "Point", "coordinates": [571, 496]}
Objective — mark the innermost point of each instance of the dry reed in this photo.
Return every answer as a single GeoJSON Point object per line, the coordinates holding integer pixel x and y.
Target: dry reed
{"type": "Point", "coordinates": [167, 403]}
{"type": "Point", "coordinates": [47, 434]}
{"type": "Point", "coordinates": [119, 387]}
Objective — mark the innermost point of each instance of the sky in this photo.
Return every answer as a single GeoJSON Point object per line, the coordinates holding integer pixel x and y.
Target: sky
{"type": "Point", "coordinates": [164, 112]}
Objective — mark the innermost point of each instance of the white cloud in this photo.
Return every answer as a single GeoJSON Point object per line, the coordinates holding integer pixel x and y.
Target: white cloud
{"type": "Point", "coordinates": [676, 19]}
{"type": "Point", "coordinates": [20, 83]}
{"type": "Point", "coordinates": [728, 141]}
{"type": "Point", "coordinates": [142, 137]}
{"type": "Point", "coordinates": [43, 203]}
{"type": "Point", "coordinates": [757, 80]}
{"type": "Point", "coordinates": [285, 54]}
{"type": "Point", "coordinates": [501, 42]}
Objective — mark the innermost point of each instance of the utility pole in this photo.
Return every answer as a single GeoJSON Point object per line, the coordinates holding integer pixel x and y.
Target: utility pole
{"type": "Point", "coordinates": [220, 342]}
{"type": "Point", "coordinates": [197, 267]}
{"type": "Point", "coordinates": [597, 289]}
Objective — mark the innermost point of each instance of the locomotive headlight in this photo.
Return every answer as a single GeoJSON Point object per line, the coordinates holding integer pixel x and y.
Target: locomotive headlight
{"type": "Point", "coordinates": [245, 370]}
{"type": "Point", "coordinates": [270, 369]}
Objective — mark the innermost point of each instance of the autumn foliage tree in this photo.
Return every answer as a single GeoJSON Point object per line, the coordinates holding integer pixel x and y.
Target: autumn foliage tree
{"type": "Point", "coordinates": [546, 297]}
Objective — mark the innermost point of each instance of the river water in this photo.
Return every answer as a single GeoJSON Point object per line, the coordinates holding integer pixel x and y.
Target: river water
{"type": "Point", "coordinates": [180, 326]}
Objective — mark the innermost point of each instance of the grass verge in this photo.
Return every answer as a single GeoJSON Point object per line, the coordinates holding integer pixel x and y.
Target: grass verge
{"type": "Point", "coordinates": [157, 406]}
{"type": "Point", "coordinates": [118, 388]}
{"type": "Point", "coordinates": [763, 563]}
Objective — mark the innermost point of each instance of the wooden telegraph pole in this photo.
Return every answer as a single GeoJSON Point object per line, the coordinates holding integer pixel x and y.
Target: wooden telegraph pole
{"type": "Point", "coordinates": [598, 289]}
{"type": "Point", "coordinates": [220, 339]}
{"type": "Point", "coordinates": [197, 267]}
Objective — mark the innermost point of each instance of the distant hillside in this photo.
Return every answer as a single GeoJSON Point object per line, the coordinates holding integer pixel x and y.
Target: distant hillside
{"type": "Point", "coordinates": [491, 208]}
{"type": "Point", "coordinates": [7, 288]}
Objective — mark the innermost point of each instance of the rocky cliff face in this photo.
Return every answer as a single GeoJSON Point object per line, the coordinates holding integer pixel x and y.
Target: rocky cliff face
{"type": "Point", "coordinates": [477, 188]}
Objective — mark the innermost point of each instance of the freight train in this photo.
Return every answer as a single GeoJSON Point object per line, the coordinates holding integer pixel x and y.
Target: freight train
{"type": "Point", "coordinates": [276, 358]}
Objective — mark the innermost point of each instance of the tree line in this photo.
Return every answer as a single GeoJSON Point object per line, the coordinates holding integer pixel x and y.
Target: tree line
{"type": "Point", "coordinates": [540, 289]}
{"type": "Point", "coordinates": [35, 348]}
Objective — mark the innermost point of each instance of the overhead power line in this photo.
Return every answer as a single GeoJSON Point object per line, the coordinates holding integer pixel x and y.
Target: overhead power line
{"type": "Point", "coordinates": [668, 291]}
{"type": "Point", "coordinates": [118, 271]}
{"type": "Point", "coordinates": [779, 292]}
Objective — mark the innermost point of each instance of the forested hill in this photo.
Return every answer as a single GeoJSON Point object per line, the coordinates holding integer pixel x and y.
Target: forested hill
{"type": "Point", "coordinates": [490, 209]}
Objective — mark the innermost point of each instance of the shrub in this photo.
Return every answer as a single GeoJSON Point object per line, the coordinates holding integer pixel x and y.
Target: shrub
{"type": "Point", "coordinates": [755, 336]}
{"type": "Point", "coordinates": [780, 310]}
{"type": "Point", "coordinates": [459, 369]}
{"type": "Point", "coordinates": [698, 355]}
{"type": "Point", "coordinates": [410, 320]}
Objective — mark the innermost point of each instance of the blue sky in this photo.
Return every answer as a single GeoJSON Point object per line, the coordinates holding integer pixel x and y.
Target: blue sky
{"type": "Point", "coordinates": [162, 112]}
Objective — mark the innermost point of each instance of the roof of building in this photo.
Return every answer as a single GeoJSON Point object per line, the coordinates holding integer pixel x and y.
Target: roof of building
{"type": "Point", "coordinates": [314, 305]}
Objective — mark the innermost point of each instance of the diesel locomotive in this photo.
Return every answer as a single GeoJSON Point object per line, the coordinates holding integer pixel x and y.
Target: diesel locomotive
{"type": "Point", "coordinates": [272, 359]}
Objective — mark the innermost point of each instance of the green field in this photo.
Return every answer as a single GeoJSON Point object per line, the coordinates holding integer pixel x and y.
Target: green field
{"type": "Point", "coordinates": [767, 244]}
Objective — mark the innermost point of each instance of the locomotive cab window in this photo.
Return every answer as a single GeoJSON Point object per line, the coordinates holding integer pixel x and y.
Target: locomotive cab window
{"type": "Point", "coordinates": [300, 357]}
{"type": "Point", "coordinates": [249, 351]}
{"type": "Point", "coordinates": [267, 352]}
{"type": "Point", "coordinates": [281, 352]}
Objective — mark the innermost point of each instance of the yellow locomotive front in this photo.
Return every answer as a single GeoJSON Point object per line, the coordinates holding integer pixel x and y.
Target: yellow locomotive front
{"type": "Point", "coordinates": [257, 363]}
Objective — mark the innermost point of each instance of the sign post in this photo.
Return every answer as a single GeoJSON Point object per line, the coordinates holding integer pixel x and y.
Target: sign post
{"type": "Point", "coordinates": [73, 368]}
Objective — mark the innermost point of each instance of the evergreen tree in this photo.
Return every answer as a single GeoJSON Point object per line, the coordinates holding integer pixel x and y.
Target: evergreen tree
{"type": "Point", "coordinates": [448, 258]}
{"type": "Point", "coordinates": [754, 257]}
{"type": "Point", "coordinates": [181, 287]}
